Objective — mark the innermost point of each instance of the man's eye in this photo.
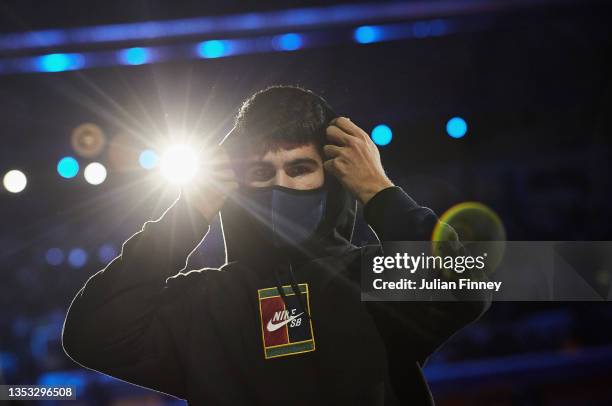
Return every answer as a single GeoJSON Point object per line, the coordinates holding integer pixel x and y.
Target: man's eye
{"type": "Point", "coordinates": [298, 170]}
{"type": "Point", "coordinates": [260, 174]}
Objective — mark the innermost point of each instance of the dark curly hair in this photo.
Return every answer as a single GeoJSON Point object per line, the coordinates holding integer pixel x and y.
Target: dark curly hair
{"type": "Point", "coordinates": [278, 116]}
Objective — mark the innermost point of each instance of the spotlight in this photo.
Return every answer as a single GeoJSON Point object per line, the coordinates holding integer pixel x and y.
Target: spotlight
{"type": "Point", "coordinates": [456, 127]}
{"type": "Point", "coordinates": [68, 167]}
{"type": "Point", "coordinates": [95, 173]}
{"type": "Point", "coordinates": [382, 135]}
{"type": "Point", "coordinates": [179, 164]}
{"type": "Point", "coordinates": [15, 181]}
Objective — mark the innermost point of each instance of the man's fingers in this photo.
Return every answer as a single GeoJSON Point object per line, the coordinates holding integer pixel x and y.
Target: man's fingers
{"type": "Point", "coordinates": [217, 186]}
{"type": "Point", "coordinates": [209, 176]}
{"type": "Point", "coordinates": [329, 166]}
{"type": "Point", "coordinates": [349, 127]}
{"type": "Point", "coordinates": [217, 160]}
{"type": "Point", "coordinates": [332, 151]}
{"type": "Point", "coordinates": [336, 135]}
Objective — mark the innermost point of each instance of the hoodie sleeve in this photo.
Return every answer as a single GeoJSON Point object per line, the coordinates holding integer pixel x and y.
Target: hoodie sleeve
{"type": "Point", "coordinates": [394, 216]}
{"type": "Point", "coordinates": [119, 321]}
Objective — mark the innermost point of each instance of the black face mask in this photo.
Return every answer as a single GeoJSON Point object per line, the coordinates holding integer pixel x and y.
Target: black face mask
{"type": "Point", "coordinates": [284, 217]}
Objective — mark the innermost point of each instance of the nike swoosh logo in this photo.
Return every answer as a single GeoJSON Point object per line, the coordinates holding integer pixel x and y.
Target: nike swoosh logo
{"type": "Point", "coordinates": [273, 327]}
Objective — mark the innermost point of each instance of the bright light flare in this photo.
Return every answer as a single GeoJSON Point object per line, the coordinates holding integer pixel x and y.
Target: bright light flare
{"type": "Point", "coordinates": [15, 181]}
{"type": "Point", "coordinates": [179, 164]}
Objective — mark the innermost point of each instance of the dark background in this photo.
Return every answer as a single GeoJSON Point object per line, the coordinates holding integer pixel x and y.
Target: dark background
{"type": "Point", "coordinates": [533, 84]}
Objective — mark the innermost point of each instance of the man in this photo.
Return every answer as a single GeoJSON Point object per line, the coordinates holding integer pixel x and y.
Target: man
{"type": "Point", "coordinates": [282, 321]}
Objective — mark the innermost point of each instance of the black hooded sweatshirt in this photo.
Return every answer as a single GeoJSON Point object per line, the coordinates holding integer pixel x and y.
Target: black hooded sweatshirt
{"type": "Point", "coordinates": [226, 337]}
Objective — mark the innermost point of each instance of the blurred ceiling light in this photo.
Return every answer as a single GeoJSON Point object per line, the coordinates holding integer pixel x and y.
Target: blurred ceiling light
{"type": "Point", "coordinates": [54, 256]}
{"type": "Point", "coordinates": [15, 181]}
{"type": "Point", "coordinates": [287, 42]}
{"type": "Point", "coordinates": [106, 253]}
{"type": "Point", "coordinates": [367, 34]}
{"type": "Point", "coordinates": [59, 62]}
{"type": "Point", "coordinates": [95, 173]}
{"type": "Point", "coordinates": [67, 167]}
{"type": "Point", "coordinates": [135, 56]}
{"type": "Point", "coordinates": [77, 257]}
{"type": "Point", "coordinates": [456, 127]}
{"type": "Point", "coordinates": [88, 140]}
{"type": "Point", "coordinates": [214, 48]}
{"type": "Point", "coordinates": [179, 164]}
{"type": "Point", "coordinates": [382, 135]}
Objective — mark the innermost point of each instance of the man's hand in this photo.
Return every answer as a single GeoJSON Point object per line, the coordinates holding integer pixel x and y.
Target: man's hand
{"type": "Point", "coordinates": [212, 185]}
{"type": "Point", "coordinates": [354, 159]}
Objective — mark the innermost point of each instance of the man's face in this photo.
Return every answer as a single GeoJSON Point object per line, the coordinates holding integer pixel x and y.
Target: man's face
{"type": "Point", "coordinates": [293, 166]}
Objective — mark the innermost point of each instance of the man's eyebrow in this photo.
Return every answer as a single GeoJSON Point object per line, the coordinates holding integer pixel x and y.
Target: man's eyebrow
{"type": "Point", "coordinates": [299, 161]}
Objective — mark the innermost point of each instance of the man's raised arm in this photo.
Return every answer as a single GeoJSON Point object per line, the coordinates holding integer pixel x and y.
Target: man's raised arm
{"type": "Point", "coordinates": [115, 325]}
{"type": "Point", "coordinates": [123, 322]}
{"type": "Point", "coordinates": [395, 216]}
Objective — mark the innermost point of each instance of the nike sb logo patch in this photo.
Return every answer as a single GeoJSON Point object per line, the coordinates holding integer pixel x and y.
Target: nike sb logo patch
{"type": "Point", "coordinates": [282, 318]}
{"type": "Point", "coordinates": [285, 329]}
